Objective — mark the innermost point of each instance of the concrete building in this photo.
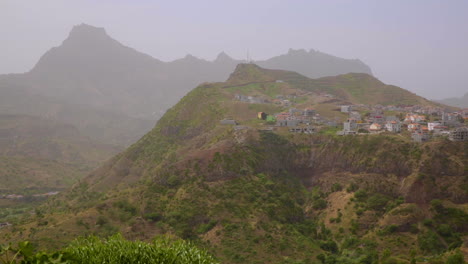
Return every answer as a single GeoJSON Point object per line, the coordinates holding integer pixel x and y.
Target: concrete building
{"type": "Point", "coordinates": [346, 108]}
{"type": "Point", "coordinates": [350, 125]}
{"type": "Point", "coordinates": [228, 122]}
{"type": "Point", "coordinates": [309, 112]}
{"type": "Point", "coordinates": [355, 115]}
{"type": "Point", "coordinates": [459, 134]}
{"type": "Point", "coordinates": [432, 125]}
{"type": "Point", "coordinates": [393, 126]}
{"type": "Point", "coordinates": [420, 137]}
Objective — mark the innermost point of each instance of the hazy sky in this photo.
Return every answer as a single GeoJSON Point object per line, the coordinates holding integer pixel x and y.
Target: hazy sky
{"type": "Point", "coordinates": [420, 45]}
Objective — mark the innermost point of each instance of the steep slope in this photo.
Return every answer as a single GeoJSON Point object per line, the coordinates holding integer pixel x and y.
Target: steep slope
{"type": "Point", "coordinates": [252, 196]}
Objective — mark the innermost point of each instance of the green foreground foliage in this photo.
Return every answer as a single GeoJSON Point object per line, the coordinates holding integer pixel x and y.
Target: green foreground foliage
{"type": "Point", "coordinates": [115, 249]}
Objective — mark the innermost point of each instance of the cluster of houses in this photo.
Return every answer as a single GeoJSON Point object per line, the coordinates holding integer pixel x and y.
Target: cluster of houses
{"type": "Point", "coordinates": [282, 100]}
{"type": "Point", "coordinates": [449, 124]}
{"type": "Point", "coordinates": [250, 99]}
{"type": "Point", "coordinates": [419, 120]}
{"type": "Point", "coordinates": [416, 123]}
{"type": "Point", "coordinates": [376, 122]}
{"type": "Point", "coordinates": [298, 121]}
{"type": "Point", "coordinates": [20, 196]}
{"type": "Point", "coordinates": [426, 110]}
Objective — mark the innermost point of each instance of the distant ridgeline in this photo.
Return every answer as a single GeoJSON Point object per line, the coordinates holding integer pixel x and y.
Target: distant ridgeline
{"type": "Point", "coordinates": [219, 170]}
{"type": "Point", "coordinates": [115, 94]}
{"type": "Point", "coordinates": [457, 102]}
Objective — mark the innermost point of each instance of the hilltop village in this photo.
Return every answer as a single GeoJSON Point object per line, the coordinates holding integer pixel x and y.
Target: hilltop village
{"type": "Point", "coordinates": [420, 123]}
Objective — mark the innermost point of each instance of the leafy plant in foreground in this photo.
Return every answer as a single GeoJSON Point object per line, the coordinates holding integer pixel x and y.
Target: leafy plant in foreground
{"type": "Point", "coordinates": [115, 250]}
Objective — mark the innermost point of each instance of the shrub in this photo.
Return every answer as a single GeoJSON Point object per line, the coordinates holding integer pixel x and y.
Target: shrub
{"type": "Point", "coordinates": [203, 228]}
{"type": "Point", "coordinates": [429, 242]}
{"type": "Point", "coordinates": [352, 187]}
{"type": "Point", "coordinates": [336, 187]}
{"type": "Point", "coordinates": [377, 202]}
{"type": "Point", "coordinates": [154, 216]}
{"type": "Point", "coordinates": [118, 250]}
{"type": "Point", "coordinates": [444, 230]}
{"type": "Point", "coordinates": [350, 242]}
{"type": "Point", "coordinates": [115, 249]}
{"type": "Point", "coordinates": [456, 258]}
{"type": "Point", "coordinates": [102, 220]}
{"type": "Point", "coordinates": [360, 195]}
{"type": "Point", "coordinates": [125, 206]}
{"type": "Point", "coordinates": [319, 204]}
{"type": "Point", "coordinates": [329, 245]}
{"type": "Point", "coordinates": [436, 204]}
{"type": "Point", "coordinates": [25, 252]}
{"type": "Point", "coordinates": [387, 230]}
{"type": "Point", "coordinates": [428, 222]}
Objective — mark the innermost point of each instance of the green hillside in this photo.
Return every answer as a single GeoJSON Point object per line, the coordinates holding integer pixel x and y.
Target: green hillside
{"type": "Point", "coordinates": [355, 88]}
{"type": "Point", "coordinates": [253, 196]}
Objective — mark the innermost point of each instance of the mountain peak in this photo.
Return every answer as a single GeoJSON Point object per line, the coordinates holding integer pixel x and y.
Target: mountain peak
{"type": "Point", "coordinates": [222, 57]}
{"type": "Point", "coordinates": [249, 72]}
{"type": "Point", "coordinates": [190, 57]}
{"type": "Point", "coordinates": [85, 30]}
{"type": "Point", "coordinates": [84, 35]}
{"type": "Point", "coordinates": [297, 52]}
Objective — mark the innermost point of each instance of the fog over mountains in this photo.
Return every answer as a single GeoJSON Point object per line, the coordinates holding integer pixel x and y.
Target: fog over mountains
{"type": "Point", "coordinates": [115, 94]}
{"type": "Point", "coordinates": [456, 101]}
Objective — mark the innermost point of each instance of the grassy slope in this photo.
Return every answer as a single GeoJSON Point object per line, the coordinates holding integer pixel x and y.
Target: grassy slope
{"type": "Point", "coordinates": [260, 197]}
{"type": "Point", "coordinates": [356, 88]}
{"type": "Point", "coordinates": [28, 175]}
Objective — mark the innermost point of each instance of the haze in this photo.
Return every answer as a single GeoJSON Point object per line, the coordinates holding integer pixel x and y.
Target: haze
{"type": "Point", "coordinates": [421, 46]}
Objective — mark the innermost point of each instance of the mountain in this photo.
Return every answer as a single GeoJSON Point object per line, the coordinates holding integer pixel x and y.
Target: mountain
{"type": "Point", "coordinates": [38, 154]}
{"type": "Point", "coordinates": [354, 88]}
{"type": "Point", "coordinates": [251, 195]}
{"type": "Point", "coordinates": [102, 87]}
{"type": "Point", "coordinates": [100, 125]}
{"type": "Point", "coordinates": [90, 68]}
{"type": "Point", "coordinates": [456, 101]}
{"type": "Point", "coordinates": [314, 64]}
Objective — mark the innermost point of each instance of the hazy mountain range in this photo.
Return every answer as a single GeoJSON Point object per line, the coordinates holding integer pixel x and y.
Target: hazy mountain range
{"type": "Point", "coordinates": [456, 101]}
{"type": "Point", "coordinates": [115, 94]}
